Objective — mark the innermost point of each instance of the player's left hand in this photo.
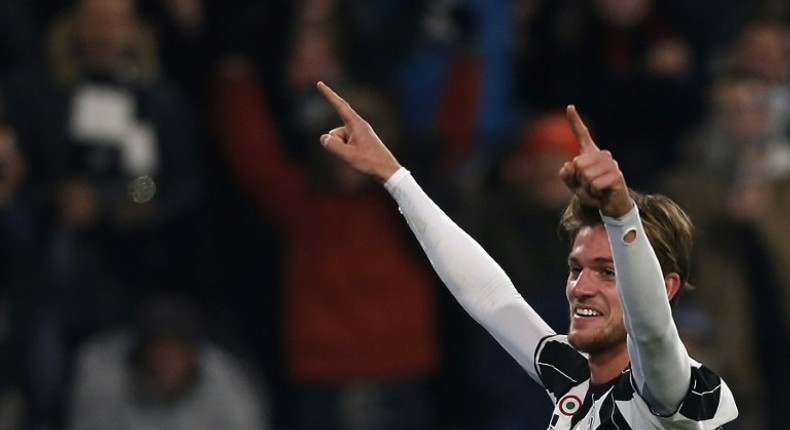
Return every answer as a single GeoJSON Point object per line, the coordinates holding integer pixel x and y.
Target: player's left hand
{"type": "Point", "coordinates": [594, 175]}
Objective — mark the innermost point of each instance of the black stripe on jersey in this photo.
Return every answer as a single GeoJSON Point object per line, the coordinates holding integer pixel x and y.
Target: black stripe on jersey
{"type": "Point", "coordinates": [619, 389]}
{"type": "Point", "coordinates": [582, 412]}
{"type": "Point", "coordinates": [624, 389]}
{"type": "Point", "coordinates": [609, 414]}
{"type": "Point", "coordinates": [561, 367]}
{"type": "Point", "coordinates": [702, 399]}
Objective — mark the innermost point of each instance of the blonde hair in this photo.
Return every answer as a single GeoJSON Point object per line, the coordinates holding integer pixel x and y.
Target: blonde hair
{"type": "Point", "coordinates": [668, 228]}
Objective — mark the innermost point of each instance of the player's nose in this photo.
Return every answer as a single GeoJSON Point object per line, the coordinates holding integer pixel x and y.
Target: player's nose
{"type": "Point", "coordinates": [583, 285]}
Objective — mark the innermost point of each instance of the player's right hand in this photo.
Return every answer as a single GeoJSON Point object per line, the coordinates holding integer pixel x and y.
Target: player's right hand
{"type": "Point", "coordinates": [355, 142]}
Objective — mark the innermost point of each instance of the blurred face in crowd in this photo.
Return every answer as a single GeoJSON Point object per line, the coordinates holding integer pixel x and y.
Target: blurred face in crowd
{"type": "Point", "coordinates": [170, 365]}
{"type": "Point", "coordinates": [545, 144]}
{"type": "Point", "coordinates": [536, 174]}
{"type": "Point", "coordinates": [596, 314]}
{"type": "Point", "coordinates": [313, 58]}
{"type": "Point", "coordinates": [764, 51]}
{"type": "Point", "coordinates": [105, 31]}
{"type": "Point", "coordinates": [623, 13]}
{"type": "Point", "coordinates": [742, 110]}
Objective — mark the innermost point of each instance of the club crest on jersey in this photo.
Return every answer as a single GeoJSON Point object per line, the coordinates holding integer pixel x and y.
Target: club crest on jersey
{"type": "Point", "coordinates": [570, 404]}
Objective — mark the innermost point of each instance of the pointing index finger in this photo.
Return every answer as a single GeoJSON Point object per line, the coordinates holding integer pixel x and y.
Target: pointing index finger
{"type": "Point", "coordinates": [583, 137]}
{"type": "Point", "coordinates": [347, 114]}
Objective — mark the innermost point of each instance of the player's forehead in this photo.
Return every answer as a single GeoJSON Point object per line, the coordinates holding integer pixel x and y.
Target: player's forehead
{"type": "Point", "coordinates": [591, 244]}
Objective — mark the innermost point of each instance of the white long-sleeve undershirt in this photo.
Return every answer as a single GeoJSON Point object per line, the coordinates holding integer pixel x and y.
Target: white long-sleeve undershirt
{"type": "Point", "coordinates": [660, 364]}
{"type": "Point", "coordinates": [659, 361]}
{"type": "Point", "coordinates": [471, 275]}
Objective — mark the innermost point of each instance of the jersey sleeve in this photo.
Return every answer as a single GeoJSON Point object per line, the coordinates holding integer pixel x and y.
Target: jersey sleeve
{"type": "Point", "coordinates": [707, 404]}
{"type": "Point", "coordinates": [472, 276]}
{"type": "Point", "coordinates": [708, 399]}
{"type": "Point", "coordinates": [659, 360]}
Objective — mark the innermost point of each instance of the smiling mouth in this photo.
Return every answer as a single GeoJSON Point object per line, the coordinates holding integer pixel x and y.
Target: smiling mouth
{"type": "Point", "coordinates": [586, 313]}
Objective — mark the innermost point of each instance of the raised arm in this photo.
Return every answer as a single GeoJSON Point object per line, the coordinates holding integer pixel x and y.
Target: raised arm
{"type": "Point", "coordinates": [252, 148]}
{"type": "Point", "coordinates": [660, 364]}
{"type": "Point", "coordinates": [476, 281]}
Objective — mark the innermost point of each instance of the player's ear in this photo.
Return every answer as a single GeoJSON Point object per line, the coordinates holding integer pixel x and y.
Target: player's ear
{"type": "Point", "coordinates": [673, 284]}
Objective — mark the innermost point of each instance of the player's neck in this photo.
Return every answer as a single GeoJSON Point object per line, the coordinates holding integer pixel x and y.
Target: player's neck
{"type": "Point", "coordinates": [607, 365]}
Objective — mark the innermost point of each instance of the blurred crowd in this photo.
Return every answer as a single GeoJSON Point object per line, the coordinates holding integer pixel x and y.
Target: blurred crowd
{"type": "Point", "coordinates": [177, 251]}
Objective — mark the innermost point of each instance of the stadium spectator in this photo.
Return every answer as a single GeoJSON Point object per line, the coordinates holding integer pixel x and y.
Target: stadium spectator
{"type": "Point", "coordinates": [360, 339]}
{"type": "Point", "coordinates": [763, 52]}
{"type": "Point", "coordinates": [17, 239]}
{"type": "Point", "coordinates": [629, 67]}
{"type": "Point", "coordinates": [735, 181]}
{"type": "Point", "coordinates": [163, 373]}
{"type": "Point", "coordinates": [98, 118]}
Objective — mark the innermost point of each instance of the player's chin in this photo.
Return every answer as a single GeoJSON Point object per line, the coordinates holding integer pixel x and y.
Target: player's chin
{"type": "Point", "coordinates": [580, 340]}
{"type": "Point", "coordinates": [587, 343]}
{"type": "Point", "coordinates": [593, 341]}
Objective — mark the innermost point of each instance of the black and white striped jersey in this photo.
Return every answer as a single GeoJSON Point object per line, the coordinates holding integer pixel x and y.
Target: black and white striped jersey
{"type": "Point", "coordinates": [660, 365]}
{"type": "Point", "coordinates": [578, 404]}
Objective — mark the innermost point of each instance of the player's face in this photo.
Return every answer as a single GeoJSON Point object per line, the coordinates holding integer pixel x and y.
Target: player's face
{"type": "Point", "coordinates": [596, 315]}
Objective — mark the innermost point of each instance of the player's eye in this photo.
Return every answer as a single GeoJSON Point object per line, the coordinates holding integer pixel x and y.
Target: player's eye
{"type": "Point", "coordinates": [574, 272]}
